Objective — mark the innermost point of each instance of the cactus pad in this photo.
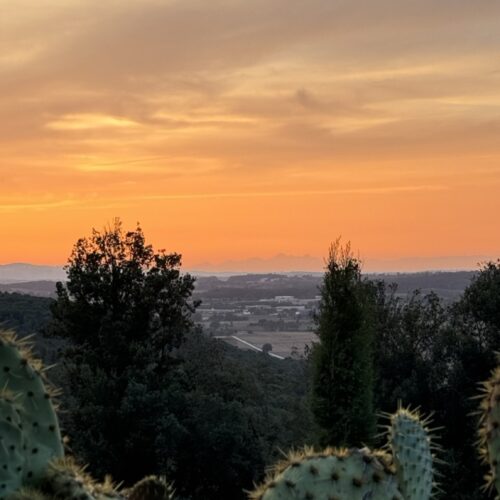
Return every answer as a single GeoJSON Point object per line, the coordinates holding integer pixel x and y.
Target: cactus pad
{"type": "Point", "coordinates": [331, 475]}
{"type": "Point", "coordinates": [151, 488]}
{"type": "Point", "coordinates": [411, 446]}
{"type": "Point", "coordinates": [65, 480]}
{"type": "Point", "coordinates": [26, 408]}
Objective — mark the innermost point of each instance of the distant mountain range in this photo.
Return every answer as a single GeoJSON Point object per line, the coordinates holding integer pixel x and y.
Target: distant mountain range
{"type": "Point", "coordinates": [22, 272]}
{"type": "Point", "coordinates": [277, 264]}
{"type": "Point", "coordinates": [40, 281]}
{"type": "Point", "coordinates": [283, 263]}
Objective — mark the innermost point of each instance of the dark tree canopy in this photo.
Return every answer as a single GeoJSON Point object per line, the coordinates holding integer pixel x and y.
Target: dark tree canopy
{"type": "Point", "coordinates": [122, 297]}
{"type": "Point", "coordinates": [123, 311]}
{"type": "Point", "coordinates": [343, 360]}
{"type": "Point", "coordinates": [481, 300]}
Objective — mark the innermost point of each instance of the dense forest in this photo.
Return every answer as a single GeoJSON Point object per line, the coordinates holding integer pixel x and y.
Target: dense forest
{"type": "Point", "coordinates": [211, 417]}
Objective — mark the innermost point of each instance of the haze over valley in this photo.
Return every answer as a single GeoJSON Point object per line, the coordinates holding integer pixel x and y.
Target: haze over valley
{"type": "Point", "coordinates": [252, 310]}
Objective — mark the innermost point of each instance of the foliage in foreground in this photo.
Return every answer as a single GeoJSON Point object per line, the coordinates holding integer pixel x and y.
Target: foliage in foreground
{"type": "Point", "coordinates": [403, 471]}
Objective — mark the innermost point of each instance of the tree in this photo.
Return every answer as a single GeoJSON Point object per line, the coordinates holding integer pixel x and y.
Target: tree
{"type": "Point", "coordinates": [481, 301]}
{"type": "Point", "coordinates": [123, 311]}
{"type": "Point", "coordinates": [342, 399]}
{"type": "Point", "coordinates": [434, 356]}
{"type": "Point", "coordinates": [230, 412]}
{"type": "Point", "coordinates": [475, 320]}
{"type": "Point", "coordinates": [411, 350]}
{"type": "Point", "coordinates": [267, 348]}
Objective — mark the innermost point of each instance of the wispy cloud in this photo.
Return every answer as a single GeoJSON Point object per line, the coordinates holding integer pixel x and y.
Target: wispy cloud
{"type": "Point", "coordinates": [117, 202]}
{"type": "Point", "coordinates": [12, 207]}
{"type": "Point", "coordinates": [278, 194]}
{"type": "Point", "coordinates": [89, 121]}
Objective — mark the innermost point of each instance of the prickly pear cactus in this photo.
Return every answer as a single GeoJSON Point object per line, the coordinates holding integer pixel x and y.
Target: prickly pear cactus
{"type": "Point", "coordinates": [332, 474]}
{"type": "Point", "coordinates": [32, 463]}
{"type": "Point", "coordinates": [355, 474]}
{"type": "Point", "coordinates": [30, 430]}
{"type": "Point", "coordinates": [151, 488]}
{"type": "Point", "coordinates": [489, 430]}
{"type": "Point", "coordinates": [410, 442]}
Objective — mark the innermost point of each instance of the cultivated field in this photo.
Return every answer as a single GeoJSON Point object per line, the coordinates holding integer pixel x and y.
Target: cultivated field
{"type": "Point", "coordinates": [285, 344]}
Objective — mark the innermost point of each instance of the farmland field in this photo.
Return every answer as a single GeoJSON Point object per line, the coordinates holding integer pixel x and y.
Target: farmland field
{"type": "Point", "coordinates": [283, 343]}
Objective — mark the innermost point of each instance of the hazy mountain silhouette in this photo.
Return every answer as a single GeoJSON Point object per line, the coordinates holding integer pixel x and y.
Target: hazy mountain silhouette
{"type": "Point", "coordinates": [278, 263]}
{"type": "Point", "coordinates": [308, 263]}
{"type": "Point", "coordinates": [22, 272]}
{"type": "Point", "coordinates": [281, 263]}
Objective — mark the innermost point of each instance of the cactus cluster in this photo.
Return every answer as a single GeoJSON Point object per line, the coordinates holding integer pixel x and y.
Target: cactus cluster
{"type": "Point", "coordinates": [404, 471]}
{"type": "Point", "coordinates": [32, 461]}
{"type": "Point", "coordinates": [29, 429]}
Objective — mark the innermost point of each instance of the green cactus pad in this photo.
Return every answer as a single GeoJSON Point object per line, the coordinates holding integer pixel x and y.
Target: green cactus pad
{"type": "Point", "coordinates": [151, 488]}
{"type": "Point", "coordinates": [489, 432]}
{"type": "Point", "coordinates": [22, 375]}
{"type": "Point", "coordinates": [65, 480]}
{"type": "Point", "coordinates": [411, 446]}
{"type": "Point", "coordinates": [331, 475]}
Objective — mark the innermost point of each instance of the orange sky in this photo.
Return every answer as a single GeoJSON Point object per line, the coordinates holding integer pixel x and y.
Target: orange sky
{"type": "Point", "coordinates": [235, 130]}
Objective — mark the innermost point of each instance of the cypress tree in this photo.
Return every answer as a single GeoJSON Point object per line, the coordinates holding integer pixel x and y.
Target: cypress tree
{"type": "Point", "coordinates": [342, 399]}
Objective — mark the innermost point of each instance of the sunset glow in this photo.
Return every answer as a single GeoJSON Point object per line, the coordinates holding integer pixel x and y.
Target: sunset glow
{"type": "Point", "coordinates": [236, 130]}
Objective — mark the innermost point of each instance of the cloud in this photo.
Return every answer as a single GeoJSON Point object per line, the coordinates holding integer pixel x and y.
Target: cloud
{"type": "Point", "coordinates": [242, 87]}
{"type": "Point", "coordinates": [136, 43]}
{"type": "Point", "coordinates": [88, 121]}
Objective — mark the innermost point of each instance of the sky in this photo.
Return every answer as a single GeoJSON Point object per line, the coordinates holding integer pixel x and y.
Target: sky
{"type": "Point", "coordinates": [251, 134]}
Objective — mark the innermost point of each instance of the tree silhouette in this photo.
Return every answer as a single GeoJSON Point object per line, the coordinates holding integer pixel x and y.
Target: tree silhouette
{"type": "Point", "coordinates": [124, 310]}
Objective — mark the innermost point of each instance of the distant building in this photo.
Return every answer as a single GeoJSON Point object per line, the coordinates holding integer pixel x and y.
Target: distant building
{"type": "Point", "coordinates": [284, 298]}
